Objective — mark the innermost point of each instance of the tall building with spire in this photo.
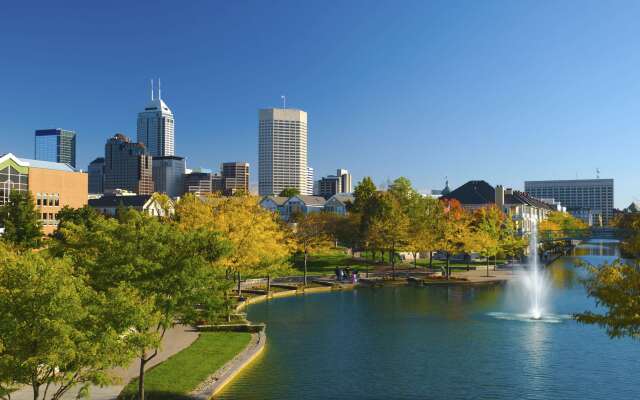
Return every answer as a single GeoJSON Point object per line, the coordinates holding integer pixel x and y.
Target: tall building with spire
{"type": "Point", "coordinates": [156, 126]}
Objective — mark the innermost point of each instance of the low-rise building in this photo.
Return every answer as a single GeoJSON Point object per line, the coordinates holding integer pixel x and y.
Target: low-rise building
{"type": "Point", "coordinates": [53, 186]}
{"type": "Point", "coordinates": [302, 204]}
{"type": "Point", "coordinates": [339, 203]}
{"type": "Point", "coordinates": [274, 203]}
{"type": "Point", "coordinates": [522, 208]}
{"type": "Point", "coordinates": [109, 205]}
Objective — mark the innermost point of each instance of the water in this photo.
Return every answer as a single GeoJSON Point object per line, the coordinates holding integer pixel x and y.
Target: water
{"type": "Point", "coordinates": [440, 343]}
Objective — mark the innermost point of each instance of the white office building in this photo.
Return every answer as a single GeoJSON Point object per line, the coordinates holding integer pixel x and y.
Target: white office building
{"type": "Point", "coordinates": [156, 127]}
{"type": "Point", "coordinates": [588, 199]}
{"type": "Point", "coordinates": [282, 151]}
{"type": "Point", "coordinates": [310, 181]}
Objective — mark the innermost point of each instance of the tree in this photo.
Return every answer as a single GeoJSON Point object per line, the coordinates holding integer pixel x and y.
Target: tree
{"type": "Point", "coordinates": [170, 266]}
{"type": "Point", "coordinates": [362, 194]}
{"type": "Point", "coordinates": [402, 190]}
{"type": "Point", "coordinates": [56, 332]}
{"type": "Point", "coordinates": [257, 237]}
{"type": "Point", "coordinates": [629, 224]}
{"type": "Point", "coordinates": [560, 224]}
{"type": "Point", "coordinates": [79, 216]}
{"type": "Point", "coordinates": [289, 192]}
{"type": "Point", "coordinates": [615, 287]}
{"type": "Point", "coordinates": [21, 221]}
{"type": "Point", "coordinates": [389, 227]}
{"type": "Point", "coordinates": [346, 230]}
{"type": "Point", "coordinates": [454, 231]}
{"type": "Point", "coordinates": [311, 234]}
{"type": "Point", "coordinates": [424, 215]}
{"type": "Point", "coordinates": [486, 230]}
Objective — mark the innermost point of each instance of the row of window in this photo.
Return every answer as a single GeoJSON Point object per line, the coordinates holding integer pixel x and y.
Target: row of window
{"type": "Point", "coordinates": [48, 199]}
{"type": "Point", "coordinates": [49, 218]}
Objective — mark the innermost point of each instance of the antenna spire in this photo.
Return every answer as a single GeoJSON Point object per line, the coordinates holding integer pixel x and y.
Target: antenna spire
{"type": "Point", "coordinates": [152, 89]}
{"type": "Point", "coordinates": [159, 90]}
{"type": "Point", "coordinates": [284, 101]}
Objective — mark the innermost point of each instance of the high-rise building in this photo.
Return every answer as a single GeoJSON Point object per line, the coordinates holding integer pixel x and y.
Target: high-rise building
{"type": "Point", "coordinates": [198, 182]}
{"type": "Point", "coordinates": [345, 180]}
{"type": "Point", "coordinates": [235, 177]}
{"type": "Point", "coordinates": [168, 175]}
{"type": "Point", "coordinates": [96, 176]}
{"type": "Point", "coordinates": [333, 184]}
{"type": "Point", "coordinates": [56, 145]}
{"type": "Point", "coordinates": [310, 180]}
{"type": "Point", "coordinates": [588, 199]}
{"type": "Point", "coordinates": [53, 186]}
{"type": "Point", "coordinates": [282, 151]}
{"type": "Point", "coordinates": [156, 127]}
{"type": "Point", "coordinates": [127, 165]}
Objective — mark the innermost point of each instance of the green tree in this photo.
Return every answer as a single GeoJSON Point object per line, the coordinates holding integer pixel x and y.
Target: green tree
{"type": "Point", "coordinates": [311, 233]}
{"type": "Point", "coordinates": [22, 226]}
{"type": "Point", "coordinates": [402, 190]}
{"type": "Point", "coordinates": [173, 267]}
{"type": "Point", "coordinates": [425, 215]}
{"type": "Point", "coordinates": [486, 228]}
{"type": "Point", "coordinates": [615, 288]}
{"type": "Point", "coordinates": [56, 332]}
{"type": "Point", "coordinates": [289, 192]}
{"type": "Point", "coordinates": [389, 227]}
{"type": "Point", "coordinates": [363, 193]}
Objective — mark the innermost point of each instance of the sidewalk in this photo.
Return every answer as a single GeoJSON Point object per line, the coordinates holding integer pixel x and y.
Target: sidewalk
{"type": "Point", "coordinates": [175, 339]}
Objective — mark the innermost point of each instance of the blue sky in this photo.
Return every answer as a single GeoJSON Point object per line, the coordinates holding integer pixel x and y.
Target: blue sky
{"type": "Point", "coordinates": [496, 90]}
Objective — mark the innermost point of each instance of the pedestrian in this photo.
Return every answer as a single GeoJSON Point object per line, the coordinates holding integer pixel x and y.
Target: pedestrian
{"type": "Point", "coordinates": [337, 273]}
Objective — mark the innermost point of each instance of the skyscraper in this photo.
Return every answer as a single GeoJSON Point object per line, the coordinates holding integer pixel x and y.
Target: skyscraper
{"type": "Point", "coordinates": [127, 165]}
{"type": "Point", "coordinates": [168, 175]}
{"type": "Point", "coordinates": [155, 127]}
{"type": "Point", "coordinates": [96, 176]}
{"type": "Point", "coordinates": [56, 145]}
{"type": "Point", "coordinates": [345, 180]}
{"type": "Point", "coordinates": [282, 150]}
{"type": "Point", "coordinates": [235, 176]}
{"type": "Point", "coordinates": [310, 180]}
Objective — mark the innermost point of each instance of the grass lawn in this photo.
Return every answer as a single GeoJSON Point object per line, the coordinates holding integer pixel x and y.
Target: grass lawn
{"type": "Point", "coordinates": [327, 261]}
{"type": "Point", "coordinates": [184, 371]}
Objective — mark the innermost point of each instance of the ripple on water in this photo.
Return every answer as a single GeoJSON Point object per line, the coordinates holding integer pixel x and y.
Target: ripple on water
{"type": "Point", "coordinates": [548, 318]}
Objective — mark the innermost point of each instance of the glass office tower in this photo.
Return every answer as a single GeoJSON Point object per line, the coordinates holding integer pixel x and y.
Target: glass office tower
{"type": "Point", "coordinates": [56, 145]}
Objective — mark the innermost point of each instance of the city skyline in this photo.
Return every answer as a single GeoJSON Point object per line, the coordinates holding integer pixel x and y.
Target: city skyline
{"type": "Point", "coordinates": [521, 83]}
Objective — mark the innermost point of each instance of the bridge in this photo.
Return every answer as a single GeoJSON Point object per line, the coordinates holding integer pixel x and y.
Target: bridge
{"type": "Point", "coordinates": [583, 234]}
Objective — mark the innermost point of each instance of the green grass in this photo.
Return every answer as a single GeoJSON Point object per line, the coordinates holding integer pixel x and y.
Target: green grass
{"type": "Point", "coordinates": [327, 261]}
{"type": "Point", "coordinates": [183, 372]}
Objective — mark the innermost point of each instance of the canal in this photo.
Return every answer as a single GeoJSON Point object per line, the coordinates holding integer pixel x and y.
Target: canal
{"type": "Point", "coordinates": [441, 343]}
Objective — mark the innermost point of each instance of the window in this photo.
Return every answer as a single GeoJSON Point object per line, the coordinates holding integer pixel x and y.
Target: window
{"type": "Point", "coordinates": [38, 199]}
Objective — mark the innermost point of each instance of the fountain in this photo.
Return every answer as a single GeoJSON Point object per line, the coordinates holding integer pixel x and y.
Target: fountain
{"type": "Point", "coordinates": [535, 281]}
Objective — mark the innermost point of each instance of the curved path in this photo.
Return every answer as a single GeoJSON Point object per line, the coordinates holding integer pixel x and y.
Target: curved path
{"type": "Point", "coordinates": [175, 339]}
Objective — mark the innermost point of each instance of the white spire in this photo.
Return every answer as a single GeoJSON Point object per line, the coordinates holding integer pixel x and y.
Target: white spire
{"type": "Point", "coordinates": [159, 90]}
{"type": "Point", "coordinates": [151, 89]}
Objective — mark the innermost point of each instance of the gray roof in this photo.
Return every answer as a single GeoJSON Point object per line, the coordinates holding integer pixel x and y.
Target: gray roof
{"type": "Point", "coordinates": [343, 197]}
{"type": "Point", "coordinates": [276, 199]}
{"type": "Point", "coordinates": [312, 200]}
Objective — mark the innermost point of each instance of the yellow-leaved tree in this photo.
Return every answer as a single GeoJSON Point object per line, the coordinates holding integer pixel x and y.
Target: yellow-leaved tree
{"type": "Point", "coordinates": [260, 245]}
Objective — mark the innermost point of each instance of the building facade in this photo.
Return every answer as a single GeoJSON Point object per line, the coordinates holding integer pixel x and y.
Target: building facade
{"type": "Point", "coordinates": [168, 175]}
{"type": "Point", "coordinates": [53, 186]}
{"type": "Point", "coordinates": [156, 128]}
{"type": "Point", "coordinates": [282, 151]}
{"type": "Point", "coordinates": [588, 199]}
{"type": "Point", "coordinates": [96, 176]}
{"type": "Point", "coordinates": [198, 182]}
{"type": "Point", "coordinates": [333, 184]}
{"type": "Point", "coordinates": [310, 181]}
{"type": "Point", "coordinates": [109, 205]}
{"type": "Point", "coordinates": [235, 177]}
{"type": "Point", "coordinates": [56, 145]}
{"type": "Point", "coordinates": [127, 166]}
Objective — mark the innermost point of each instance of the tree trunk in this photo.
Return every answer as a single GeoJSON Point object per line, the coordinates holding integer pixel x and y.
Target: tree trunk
{"type": "Point", "coordinates": [487, 265]}
{"type": "Point", "coordinates": [415, 260]}
{"type": "Point", "coordinates": [448, 273]}
{"type": "Point", "coordinates": [430, 259]}
{"type": "Point", "coordinates": [305, 268]}
{"type": "Point", "coordinates": [268, 285]}
{"type": "Point", "coordinates": [469, 262]}
{"type": "Point", "coordinates": [141, 378]}
{"type": "Point", "coordinates": [239, 287]}
{"type": "Point", "coordinates": [36, 389]}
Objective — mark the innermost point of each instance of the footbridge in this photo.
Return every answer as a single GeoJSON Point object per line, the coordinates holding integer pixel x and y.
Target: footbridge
{"type": "Point", "coordinates": [582, 234]}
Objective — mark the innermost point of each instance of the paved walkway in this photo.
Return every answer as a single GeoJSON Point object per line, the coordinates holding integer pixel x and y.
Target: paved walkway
{"type": "Point", "coordinates": [175, 339]}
